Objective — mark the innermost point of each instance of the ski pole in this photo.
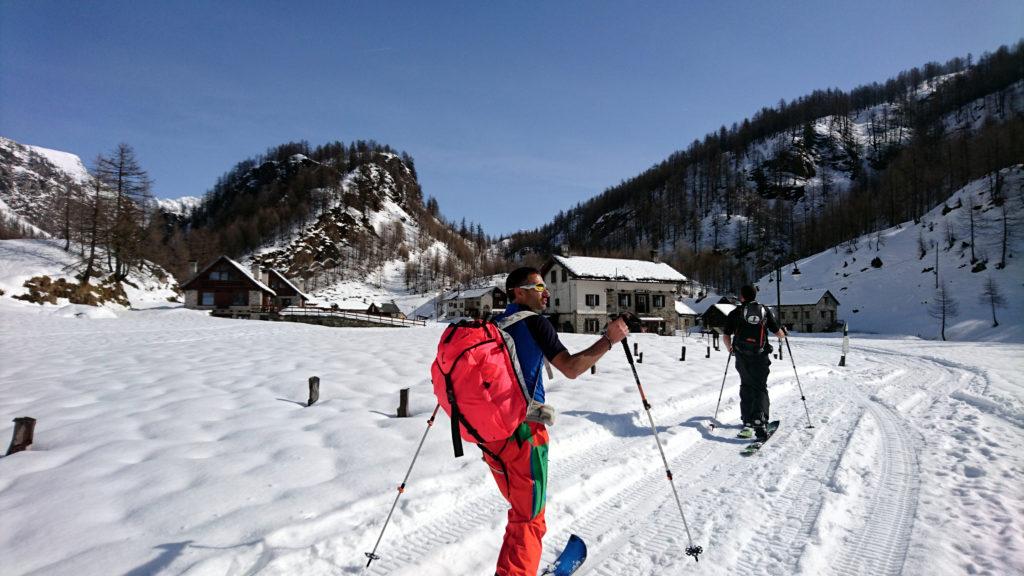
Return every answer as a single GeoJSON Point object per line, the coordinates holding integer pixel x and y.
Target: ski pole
{"type": "Point", "coordinates": [691, 550]}
{"type": "Point", "coordinates": [724, 376]}
{"type": "Point", "coordinates": [401, 489]}
{"type": "Point", "coordinates": [795, 373]}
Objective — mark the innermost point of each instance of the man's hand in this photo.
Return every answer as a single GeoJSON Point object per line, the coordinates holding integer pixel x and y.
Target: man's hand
{"type": "Point", "coordinates": [617, 331]}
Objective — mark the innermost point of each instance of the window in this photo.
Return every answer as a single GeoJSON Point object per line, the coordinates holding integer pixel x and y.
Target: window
{"type": "Point", "coordinates": [807, 314]}
{"type": "Point", "coordinates": [593, 299]}
{"type": "Point", "coordinates": [659, 301]}
{"type": "Point", "coordinates": [556, 302]}
{"type": "Point", "coordinates": [220, 275]}
{"type": "Point", "coordinates": [591, 325]}
{"type": "Point", "coordinates": [206, 298]}
{"type": "Point", "coordinates": [240, 299]}
{"type": "Point", "coordinates": [625, 300]}
{"type": "Point", "coordinates": [823, 314]}
{"type": "Point", "coordinates": [641, 304]}
{"type": "Point", "coordinates": [565, 275]}
{"type": "Point", "coordinates": [554, 276]}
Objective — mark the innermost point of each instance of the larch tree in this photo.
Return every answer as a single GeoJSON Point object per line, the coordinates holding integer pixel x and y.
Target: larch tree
{"type": "Point", "coordinates": [991, 295]}
{"type": "Point", "coordinates": [943, 307]}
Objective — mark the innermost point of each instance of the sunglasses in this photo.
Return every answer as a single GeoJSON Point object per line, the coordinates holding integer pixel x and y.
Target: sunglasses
{"type": "Point", "coordinates": [538, 287]}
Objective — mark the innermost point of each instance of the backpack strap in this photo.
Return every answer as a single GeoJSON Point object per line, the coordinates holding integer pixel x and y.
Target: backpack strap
{"type": "Point", "coordinates": [511, 319]}
{"type": "Point", "coordinates": [522, 315]}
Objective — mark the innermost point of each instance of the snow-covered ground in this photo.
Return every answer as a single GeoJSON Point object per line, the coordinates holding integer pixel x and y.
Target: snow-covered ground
{"type": "Point", "coordinates": [21, 260]}
{"type": "Point", "coordinates": [170, 442]}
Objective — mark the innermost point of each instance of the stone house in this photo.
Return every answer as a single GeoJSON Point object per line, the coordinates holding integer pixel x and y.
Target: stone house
{"type": "Point", "coordinates": [474, 302]}
{"type": "Point", "coordinates": [809, 310]}
{"type": "Point", "coordinates": [686, 317]}
{"type": "Point", "coordinates": [587, 291]}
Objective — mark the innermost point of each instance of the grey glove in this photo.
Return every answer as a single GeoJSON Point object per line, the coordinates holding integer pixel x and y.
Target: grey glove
{"type": "Point", "coordinates": [541, 413]}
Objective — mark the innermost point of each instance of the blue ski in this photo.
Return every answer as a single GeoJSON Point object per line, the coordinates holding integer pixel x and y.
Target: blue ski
{"type": "Point", "coordinates": [571, 558]}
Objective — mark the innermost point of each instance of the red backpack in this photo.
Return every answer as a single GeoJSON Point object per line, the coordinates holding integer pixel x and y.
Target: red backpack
{"type": "Point", "coordinates": [478, 382]}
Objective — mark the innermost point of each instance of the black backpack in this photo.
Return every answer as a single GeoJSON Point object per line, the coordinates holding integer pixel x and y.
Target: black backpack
{"type": "Point", "coordinates": [751, 337]}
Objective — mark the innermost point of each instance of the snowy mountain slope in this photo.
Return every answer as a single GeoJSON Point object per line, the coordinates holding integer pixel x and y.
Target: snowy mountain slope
{"type": "Point", "coordinates": [172, 442]}
{"type": "Point", "coordinates": [841, 146]}
{"type": "Point", "coordinates": [13, 220]}
{"type": "Point", "coordinates": [180, 207]}
{"type": "Point", "coordinates": [32, 178]}
{"type": "Point", "coordinates": [894, 298]}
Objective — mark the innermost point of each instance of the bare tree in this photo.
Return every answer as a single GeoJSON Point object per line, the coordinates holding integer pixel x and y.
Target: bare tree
{"type": "Point", "coordinates": [943, 306]}
{"type": "Point", "coordinates": [991, 295]}
{"type": "Point", "coordinates": [129, 185]}
{"type": "Point", "coordinates": [92, 230]}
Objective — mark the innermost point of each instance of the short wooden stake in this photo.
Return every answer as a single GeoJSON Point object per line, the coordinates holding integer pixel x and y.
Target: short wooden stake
{"type": "Point", "coordinates": [403, 403]}
{"type": "Point", "coordinates": [640, 358]}
{"type": "Point", "coordinates": [593, 369]}
{"type": "Point", "coordinates": [708, 354]}
{"type": "Point", "coordinates": [682, 355]}
{"type": "Point", "coordinates": [636, 349]}
{"type": "Point", "coordinates": [24, 430]}
{"type": "Point", "coordinates": [846, 344]}
{"type": "Point", "coordinates": [314, 390]}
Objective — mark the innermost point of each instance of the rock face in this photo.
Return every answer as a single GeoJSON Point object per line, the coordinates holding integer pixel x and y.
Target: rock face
{"type": "Point", "coordinates": [34, 180]}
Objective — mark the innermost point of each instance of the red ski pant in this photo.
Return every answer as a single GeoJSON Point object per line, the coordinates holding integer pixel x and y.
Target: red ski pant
{"type": "Point", "coordinates": [520, 468]}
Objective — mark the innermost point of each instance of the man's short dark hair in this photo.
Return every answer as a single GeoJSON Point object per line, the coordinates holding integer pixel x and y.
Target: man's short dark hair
{"type": "Point", "coordinates": [517, 277]}
{"type": "Point", "coordinates": [748, 292]}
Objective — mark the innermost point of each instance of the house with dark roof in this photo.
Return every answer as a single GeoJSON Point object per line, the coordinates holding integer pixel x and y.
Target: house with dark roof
{"type": "Point", "coordinates": [587, 291]}
{"type": "Point", "coordinates": [287, 293]}
{"type": "Point", "coordinates": [713, 319]}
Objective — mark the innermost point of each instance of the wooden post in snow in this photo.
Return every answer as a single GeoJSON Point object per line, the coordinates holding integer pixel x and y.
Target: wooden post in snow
{"type": "Point", "coordinates": [314, 390]}
{"type": "Point", "coordinates": [24, 430]}
{"type": "Point", "coordinates": [846, 344]}
{"type": "Point", "coordinates": [403, 403]}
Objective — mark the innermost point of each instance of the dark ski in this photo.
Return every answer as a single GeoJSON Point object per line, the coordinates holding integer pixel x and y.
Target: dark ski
{"type": "Point", "coordinates": [571, 558]}
{"type": "Point", "coordinates": [753, 447]}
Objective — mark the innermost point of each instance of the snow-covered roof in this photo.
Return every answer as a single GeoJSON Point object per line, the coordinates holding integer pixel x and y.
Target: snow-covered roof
{"type": "Point", "coordinates": [798, 297]}
{"type": "Point", "coordinates": [249, 275]}
{"type": "Point", "coordinates": [471, 293]}
{"type": "Point", "coordinates": [619, 269]}
{"type": "Point", "coordinates": [289, 283]}
{"type": "Point", "coordinates": [240, 268]}
{"type": "Point", "coordinates": [723, 308]}
{"type": "Point", "coordinates": [683, 309]}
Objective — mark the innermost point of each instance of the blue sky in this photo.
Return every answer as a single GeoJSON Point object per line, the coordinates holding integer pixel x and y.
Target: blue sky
{"type": "Point", "coordinates": [512, 111]}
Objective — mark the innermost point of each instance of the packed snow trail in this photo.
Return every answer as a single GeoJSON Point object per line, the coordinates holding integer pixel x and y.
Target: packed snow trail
{"type": "Point", "coordinates": [175, 443]}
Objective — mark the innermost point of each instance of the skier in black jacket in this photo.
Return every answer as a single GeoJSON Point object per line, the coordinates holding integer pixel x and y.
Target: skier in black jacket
{"type": "Point", "coordinates": [751, 322]}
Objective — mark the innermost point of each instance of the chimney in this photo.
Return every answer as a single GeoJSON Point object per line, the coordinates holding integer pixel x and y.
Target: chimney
{"type": "Point", "coordinates": [654, 256]}
{"type": "Point", "coordinates": [255, 269]}
{"type": "Point", "coordinates": [193, 267]}
{"type": "Point", "coordinates": [563, 250]}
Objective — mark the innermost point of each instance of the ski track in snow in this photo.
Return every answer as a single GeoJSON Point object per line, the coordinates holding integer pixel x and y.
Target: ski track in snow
{"type": "Point", "coordinates": [913, 447]}
{"type": "Point", "coordinates": [632, 523]}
